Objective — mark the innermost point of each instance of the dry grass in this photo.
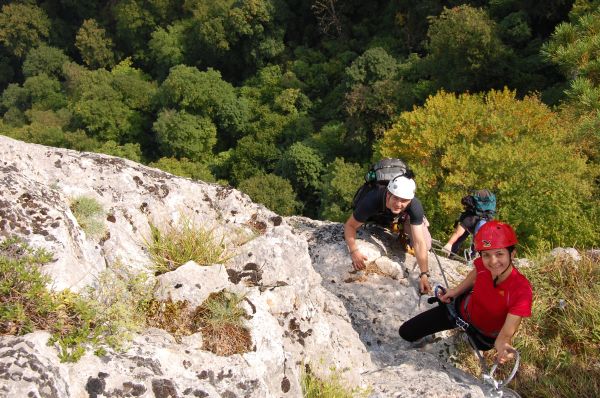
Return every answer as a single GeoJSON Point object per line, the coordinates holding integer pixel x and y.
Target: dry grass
{"type": "Point", "coordinates": [221, 320]}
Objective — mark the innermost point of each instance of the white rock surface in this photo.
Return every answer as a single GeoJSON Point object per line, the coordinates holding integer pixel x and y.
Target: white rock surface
{"type": "Point", "coordinates": [304, 304]}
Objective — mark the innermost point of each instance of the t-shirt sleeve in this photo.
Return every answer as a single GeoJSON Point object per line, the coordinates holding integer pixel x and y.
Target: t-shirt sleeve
{"type": "Point", "coordinates": [368, 206]}
{"type": "Point", "coordinates": [415, 212]}
{"type": "Point", "coordinates": [468, 221]}
{"type": "Point", "coordinates": [520, 303]}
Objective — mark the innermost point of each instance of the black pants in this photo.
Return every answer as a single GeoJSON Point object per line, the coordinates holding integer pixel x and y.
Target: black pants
{"type": "Point", "coordinates": [435, 320]}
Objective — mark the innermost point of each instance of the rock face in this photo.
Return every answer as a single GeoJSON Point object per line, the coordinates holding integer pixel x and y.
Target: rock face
{"type": "Point", "coordinates": [304, 304]}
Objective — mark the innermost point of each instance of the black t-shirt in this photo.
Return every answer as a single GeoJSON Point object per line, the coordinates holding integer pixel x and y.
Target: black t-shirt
{"type": "Point", "coordinates": [468, 220]}
{"type": "Point", "coordinates": [371, 207]}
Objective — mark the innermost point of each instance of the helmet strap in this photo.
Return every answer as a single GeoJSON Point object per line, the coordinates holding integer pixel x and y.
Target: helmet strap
{"type": "Point", "coordinates": [501, 273]}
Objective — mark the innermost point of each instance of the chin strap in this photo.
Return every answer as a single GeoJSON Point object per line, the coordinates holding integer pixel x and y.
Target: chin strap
{"type": "Point", "coordinates": [501, 273]}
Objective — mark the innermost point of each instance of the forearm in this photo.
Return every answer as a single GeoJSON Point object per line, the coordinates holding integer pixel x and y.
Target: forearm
{"type": "Point", "coordinates": [458, 232]}
{"type": "Point", "coordinates": [421, 255]}
{"type": "Point", "coordinates": [350, 235]}
{"type": "Point", "coordinates": [466, 284]}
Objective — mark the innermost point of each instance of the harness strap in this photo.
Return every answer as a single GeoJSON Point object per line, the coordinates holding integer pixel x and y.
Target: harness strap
{"type": "Point", "coordinates": [462, 324]}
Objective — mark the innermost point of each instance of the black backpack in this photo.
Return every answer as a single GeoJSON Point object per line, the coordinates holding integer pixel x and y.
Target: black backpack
{"type": "Point", "coordinates": [381, 173]}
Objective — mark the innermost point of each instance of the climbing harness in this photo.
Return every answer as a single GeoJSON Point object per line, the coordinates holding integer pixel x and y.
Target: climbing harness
{"type": "Point", "coordinates": [496, 388]}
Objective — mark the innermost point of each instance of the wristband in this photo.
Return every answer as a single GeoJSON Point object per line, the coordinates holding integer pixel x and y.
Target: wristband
{"type": "Point", "coordinates": [352, 251]}
{"type": "Point", "coordinates": [424, 273]}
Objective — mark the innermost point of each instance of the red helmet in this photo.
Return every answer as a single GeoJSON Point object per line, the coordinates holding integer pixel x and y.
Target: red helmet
{"type": "Point", "coordinates": [495, 235]}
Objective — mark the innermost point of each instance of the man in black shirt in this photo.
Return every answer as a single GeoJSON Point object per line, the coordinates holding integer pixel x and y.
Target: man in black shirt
{"type": "Point", "coordinates": [383, 205]}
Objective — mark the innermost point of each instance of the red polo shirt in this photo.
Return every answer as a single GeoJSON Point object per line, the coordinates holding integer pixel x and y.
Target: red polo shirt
{"type": "Point", "coordinates": [488, 305]}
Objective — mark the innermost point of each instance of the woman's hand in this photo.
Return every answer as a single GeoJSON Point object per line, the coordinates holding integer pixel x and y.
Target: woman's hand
{"type": "Point", "coordinates": [504, 351]}
{"type": "Point", "coordinates": [447, 296]}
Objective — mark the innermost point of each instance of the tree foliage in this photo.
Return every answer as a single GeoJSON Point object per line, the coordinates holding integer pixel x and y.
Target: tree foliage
{"type": "Point", "coordinates": [182, 134]}
{"type": "Point", "coordinates": [340, 183]}
{"type": "Point", "coordinates": [517, 148]}
{"type": "Point", "coordinates": [273, 191]}
{"type": "Point", "coordinates": [22, 27]}
{"type": "Point", "coordinates": [465, 52]}
{"type": "Point", "coordinates": [94, 46]}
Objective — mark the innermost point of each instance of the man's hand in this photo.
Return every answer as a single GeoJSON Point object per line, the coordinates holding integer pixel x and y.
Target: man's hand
{"type": "Point", "coordinates": [424, 286]}
{"type": "Point", "coordinates": [358, 260]}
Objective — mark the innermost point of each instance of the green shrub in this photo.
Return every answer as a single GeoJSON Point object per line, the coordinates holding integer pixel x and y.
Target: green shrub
{"type": "Point", "coordinates": [119, 302]}
{"type": "Point", "coordinates": [175, 246]}
{"type": "Point", "coordinates": [104, 316]}
{"type": "Point", "coordinates": [88, 213]}
{"type": "Point", "coordinates": [25, 303]}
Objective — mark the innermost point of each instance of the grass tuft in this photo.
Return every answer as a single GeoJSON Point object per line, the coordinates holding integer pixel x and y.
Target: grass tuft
{"type": "Point", "coordinates": [175, 246]}
{"type": "Point", "coordinates": [89, 213]}
{"type": "Point", "coordinates": [331, 387]}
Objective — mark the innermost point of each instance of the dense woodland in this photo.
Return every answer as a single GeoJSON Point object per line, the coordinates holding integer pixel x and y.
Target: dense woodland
{"type": "Point", "coordinates": [291, 100]}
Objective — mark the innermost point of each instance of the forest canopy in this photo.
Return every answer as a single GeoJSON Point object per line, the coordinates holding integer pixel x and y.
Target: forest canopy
{"type": "Point", "coordinates": [292, 100]}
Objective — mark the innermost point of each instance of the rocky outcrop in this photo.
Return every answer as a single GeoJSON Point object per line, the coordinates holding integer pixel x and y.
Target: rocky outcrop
{"type": "Point", "coordinates": [303, 302]}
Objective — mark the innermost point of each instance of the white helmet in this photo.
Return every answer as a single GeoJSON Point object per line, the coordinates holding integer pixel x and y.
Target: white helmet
{"type": "Point", "coordinates": [402, 187]}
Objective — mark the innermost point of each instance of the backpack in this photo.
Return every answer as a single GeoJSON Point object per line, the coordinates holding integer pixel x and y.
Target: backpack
{"type": "Point", "coordinates": [484, 204]}
{"type": "Point", "coordinates": [381, 173]}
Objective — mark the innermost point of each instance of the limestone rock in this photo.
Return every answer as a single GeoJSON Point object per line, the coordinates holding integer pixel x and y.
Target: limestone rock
{"type": "Point", "coordinates": [304, 303]}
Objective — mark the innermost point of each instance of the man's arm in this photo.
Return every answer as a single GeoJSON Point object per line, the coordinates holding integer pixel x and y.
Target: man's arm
{"type": "Point", "coordinates": [350, 228]}
{"type": "Point", "coordinates": [420, 246]}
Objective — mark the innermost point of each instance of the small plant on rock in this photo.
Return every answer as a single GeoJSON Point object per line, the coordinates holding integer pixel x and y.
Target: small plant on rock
{"type": "Point", "coordinates": [25, 302]}
{"type": "Point", "coordinates": [175, 246]}
{"type": "Point", "coordinates": [221, 320]}
{"type": "Point", "coordinates": [88, 213]}
{"type": "Point", "coordinates": [331, 387]}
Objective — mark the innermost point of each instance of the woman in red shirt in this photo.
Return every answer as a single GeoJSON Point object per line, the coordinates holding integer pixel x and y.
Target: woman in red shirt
{"type": "Point", "coordinates": [492, 298]}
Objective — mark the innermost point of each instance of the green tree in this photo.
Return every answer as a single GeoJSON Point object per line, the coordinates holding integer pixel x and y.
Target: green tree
{"type": "Point", "coordinates": [44, 59]}
{"type": "Point", "coordinates": [303, 166]}
{"type": "Point", "coordinates": [517, 148]}
{"type": "Point", "coordinates": [94, 46]}
{"type": "Point", "coordinates": [185, 168]}
{"type": "Point", "coordinates": [465, 52]}
{"type": "Point", "coordinates": [44, 92]}
{"type": "Point", "coordinates": [22, 27]}
{"type": "Point", "coordinates": [340, 183]}
{"type": "Point", "coordinates": [206, 94]}
{"type": "Point", "coordinates": [128, 151]}
{"type": "Point", "coordinates": [181, 134]}
{"type": "Point", "coordinates": [235, 37]}
{"type": "Point", "coordinates": [274, 192]}
{"type": "Point", "coordinates": [167, 48]}
{"type": "Point", "coordinates": [251, 157]}
{"type": "Point", "coordinates": [575, 48]}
